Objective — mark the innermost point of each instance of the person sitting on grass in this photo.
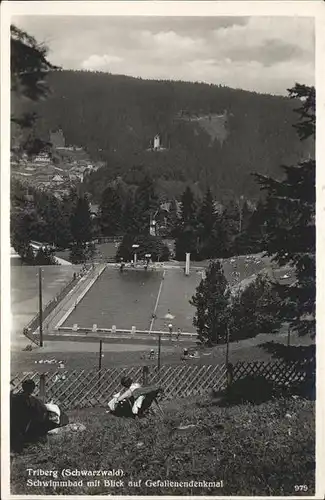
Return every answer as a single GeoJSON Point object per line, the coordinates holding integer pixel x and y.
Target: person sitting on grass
{"type": "Point", "coordinates": [28, 416]}
{"type": "Point", "coordinates": [123, 404]}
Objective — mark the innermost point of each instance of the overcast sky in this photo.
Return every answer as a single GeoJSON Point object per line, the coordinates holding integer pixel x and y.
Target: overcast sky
{"type": "Point", "coordinates": [264, 54]}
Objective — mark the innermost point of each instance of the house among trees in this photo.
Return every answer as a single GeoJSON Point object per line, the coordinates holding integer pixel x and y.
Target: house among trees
{"type": "Point", "coordinates": [58, 179]}
{"type": "Point", "coordinates": [42, 159]}
{"type": "Point", "coordinates": [93, 209]}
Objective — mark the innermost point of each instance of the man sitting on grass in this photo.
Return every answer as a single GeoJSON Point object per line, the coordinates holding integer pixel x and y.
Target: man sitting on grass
{"type": "Point", "coordinates": [124, 404]}
{"type": "Point", "coordinates": [30, 418]}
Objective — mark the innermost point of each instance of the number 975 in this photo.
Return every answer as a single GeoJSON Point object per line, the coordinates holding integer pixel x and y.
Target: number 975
{"type": "Point", "coordinates": [301, 487]}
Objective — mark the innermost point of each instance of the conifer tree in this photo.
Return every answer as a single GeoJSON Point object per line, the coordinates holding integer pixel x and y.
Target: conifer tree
{"type": "Point", "coordinates": [188, 208]}
{"type": "Point", "coordinates": [173, 218]}
{"type": "Point", "coordinates": [81, 221]}
{"type": "Point", "coordinates": [207, 230]}
{"type": "Point", "coordinates": [145, 205]}
{"type": "Point", "coordinates": [254, 309]}
{"type": "Point", "coordinates": [252, 239]}
{"type": "Point", "coordinates": [207, 215]}
{"type": "Point", "coordinates": [81, 229]}
{"type": "Point", "coordinates": [57, 230]}
{"type": "Point", "coordinates": [110, 212]}
{"type": "Point", "coordinates": [211, 301]}
{"type": "Point", "coordinates": [187, 236]}
{"type": "Point", "coordinates": [231, 221]}
{"type": "Point", "coordinates": [128, 214]}
{"type": "Point", "coordinates": [290, 222]}
{"type": "Point", "coordinates": [29, 67]}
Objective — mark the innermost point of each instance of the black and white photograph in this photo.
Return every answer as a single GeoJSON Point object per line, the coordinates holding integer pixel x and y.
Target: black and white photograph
{"type": "Point", "coordinates": [159, 181]}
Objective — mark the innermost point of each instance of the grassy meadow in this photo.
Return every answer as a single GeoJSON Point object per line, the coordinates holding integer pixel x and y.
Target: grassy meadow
{"type": "Point", "coordinates": [265, 449]}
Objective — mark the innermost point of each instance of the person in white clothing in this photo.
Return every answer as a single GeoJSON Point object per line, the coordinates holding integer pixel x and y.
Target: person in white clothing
{"type": "Point", "coordinates": [117, 403]}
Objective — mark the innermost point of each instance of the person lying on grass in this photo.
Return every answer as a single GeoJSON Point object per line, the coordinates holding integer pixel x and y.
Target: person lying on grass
{"type": "Point", "coordinates": [124, 403]}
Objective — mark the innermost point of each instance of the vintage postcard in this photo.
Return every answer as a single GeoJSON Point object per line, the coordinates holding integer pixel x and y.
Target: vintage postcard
{"type": "Point", "coordinates": [158, 237]}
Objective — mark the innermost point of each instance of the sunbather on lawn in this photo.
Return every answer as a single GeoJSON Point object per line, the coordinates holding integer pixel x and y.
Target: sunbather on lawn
{"type": "Point", "coordinates": [124, 403]}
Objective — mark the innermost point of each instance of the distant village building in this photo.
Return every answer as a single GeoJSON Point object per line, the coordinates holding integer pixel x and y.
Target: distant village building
{"type": "Point", "coordinates": [94, 210]}
{"type": "Point", "coordinates": [42, 159]}
{"type": "Point", "coordinates": [58, 179]}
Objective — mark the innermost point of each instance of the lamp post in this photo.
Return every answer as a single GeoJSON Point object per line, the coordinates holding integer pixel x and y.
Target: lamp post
{"type": "Point", "coordinates": [159, 352]}
{"type": "Point", "coordinates": [135, 247]}
{"type": "Point", "coordinates": [227, 349]}
{"type": "Point", "coordinates": [240, 207]}
{"type": "Point", "coordinates": [40, 303]}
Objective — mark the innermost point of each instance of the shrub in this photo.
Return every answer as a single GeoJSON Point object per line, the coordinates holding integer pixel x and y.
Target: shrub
{"type": "Point", "coordinates": [44, 257]}
{"type": "Point", "coordinates": [81, 252]}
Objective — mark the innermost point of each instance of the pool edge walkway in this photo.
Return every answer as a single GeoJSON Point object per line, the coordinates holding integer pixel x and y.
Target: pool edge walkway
{"type": "Point", "coordinates": [98, 272]}
{"type": "Point", "coordinates": [74, 297]}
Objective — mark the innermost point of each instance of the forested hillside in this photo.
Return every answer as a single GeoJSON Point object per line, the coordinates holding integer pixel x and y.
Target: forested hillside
{"type": "Point", "coordinates": [213, 136]}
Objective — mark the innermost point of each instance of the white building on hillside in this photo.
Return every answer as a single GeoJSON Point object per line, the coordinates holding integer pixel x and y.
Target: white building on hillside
{"type": "Point", "coordinates": [42, 158]}
{"type": "Point", "coordinates": [156, 145]}
{"type": "Point", "coordinates": [156, 142]}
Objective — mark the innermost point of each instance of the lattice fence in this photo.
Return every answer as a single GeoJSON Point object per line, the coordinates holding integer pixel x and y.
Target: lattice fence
{"type": "Point", "coordinates": [280, 372]}
{"type": "Point", "coordinates": [79, 389]}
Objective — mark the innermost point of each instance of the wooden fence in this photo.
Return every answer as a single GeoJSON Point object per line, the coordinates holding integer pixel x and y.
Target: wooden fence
{"type": "Point", "coordinates": [80, 389]}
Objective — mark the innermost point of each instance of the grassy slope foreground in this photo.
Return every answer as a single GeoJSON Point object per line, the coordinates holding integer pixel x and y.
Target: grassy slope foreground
{"type": "Point", "coordinates": [256, 450]}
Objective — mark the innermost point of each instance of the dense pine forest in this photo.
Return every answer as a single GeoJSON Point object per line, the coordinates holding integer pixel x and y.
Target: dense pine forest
{"type": "Point", "coordinates": [211, 136]}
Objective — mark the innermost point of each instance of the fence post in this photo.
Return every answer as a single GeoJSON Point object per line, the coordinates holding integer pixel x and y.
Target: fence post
{"type": "Point", "coordinates": [40, 304]}
{"type": "Point", "coordinates": [100, 361]}
{"type": "Point", "coordinates": [145, 375]}
{"type": "Point", "coordinates": [42, 387]}
{"type": "Point", "coordinates": [230, 375]}
{"type": "Point", "coordinates": [288, 338]}
{"type": "Point", "coordinates": [159, 351]}
{"type": "Point", "coordinates": [227, 349]}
